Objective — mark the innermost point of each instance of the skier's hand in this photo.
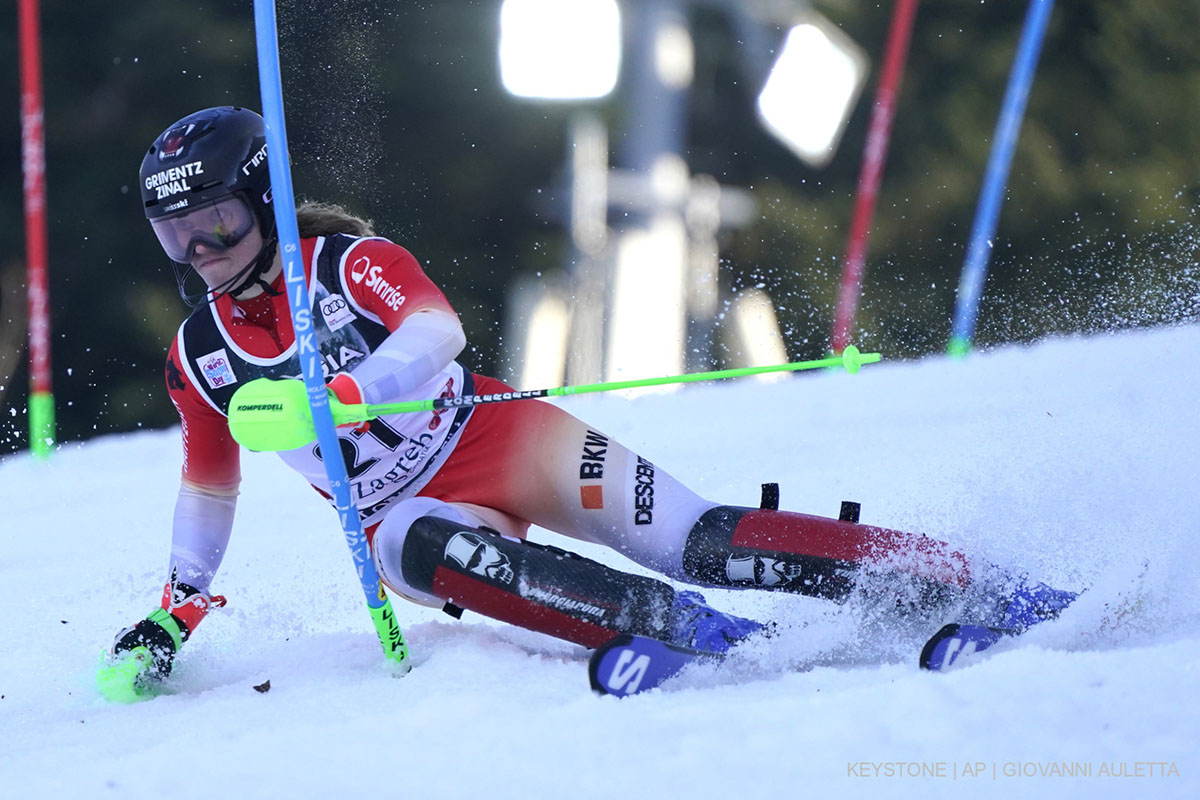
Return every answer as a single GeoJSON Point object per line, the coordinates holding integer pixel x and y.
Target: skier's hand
{"type": "Point", "coordinates": [344, 389]}
{"type": "Point", "coordinates": [161, 634]}
{"type": "Point", "coordinates": [166, 628]}
{"type": "Point", "coordinates": [142, 655]}
{"type": "Point", "coordinates": [140, 658]}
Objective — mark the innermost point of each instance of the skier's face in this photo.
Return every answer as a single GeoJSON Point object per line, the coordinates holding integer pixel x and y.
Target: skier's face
{"type": "Point", "coordinates": [218, 265]}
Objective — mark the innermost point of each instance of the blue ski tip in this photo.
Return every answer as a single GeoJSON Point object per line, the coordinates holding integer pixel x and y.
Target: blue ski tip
{"type": "Point", "coordinates": [631, 664]}
{"type": "Point", "coordinates": [954, 642]}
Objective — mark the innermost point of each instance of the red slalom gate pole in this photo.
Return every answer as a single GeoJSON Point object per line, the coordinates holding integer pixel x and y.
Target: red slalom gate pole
{"type": "Point", "coordinates": [33, 165]}
{"type": "Point", "coordinates": [871, 173]}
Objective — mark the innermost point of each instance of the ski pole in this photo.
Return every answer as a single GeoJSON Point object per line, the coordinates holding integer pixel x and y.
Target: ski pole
{"type": "Point", "coordinates": [272, 415]}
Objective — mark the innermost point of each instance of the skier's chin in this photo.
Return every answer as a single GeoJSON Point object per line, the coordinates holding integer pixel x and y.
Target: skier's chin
{"type": "Point", "coordinates": [218, 272]}
{"type": "Point", "coordinates": [213, 269]}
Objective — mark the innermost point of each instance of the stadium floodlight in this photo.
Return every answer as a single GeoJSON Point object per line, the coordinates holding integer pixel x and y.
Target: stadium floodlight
{"type": "Point", "coordinates": [812, 87]}
{"type": "Point", "coordinates": [560, 49]}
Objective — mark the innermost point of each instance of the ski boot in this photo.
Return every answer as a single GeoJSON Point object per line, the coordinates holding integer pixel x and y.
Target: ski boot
{"type": "Point", "coordinates": [1033, 603]}
{"type": "Point", "coordinates": [696, 625]}
{"type": "Point", "coordinates": [1027, 605]}
{"type": "Point", "coordinates": [695, 632]}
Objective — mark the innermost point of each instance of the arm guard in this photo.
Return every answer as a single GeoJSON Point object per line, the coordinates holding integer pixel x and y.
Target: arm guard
{"type": "Point", "coordinates": [413, 354]}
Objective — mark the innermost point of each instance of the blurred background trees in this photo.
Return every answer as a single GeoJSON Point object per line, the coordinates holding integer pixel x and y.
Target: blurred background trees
{"type": "Point", "coordinates": [395, 109]}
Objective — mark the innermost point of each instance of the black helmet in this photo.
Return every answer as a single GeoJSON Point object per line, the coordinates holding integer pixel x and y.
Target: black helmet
{"type": "Point", "coordinates": [206, 160]}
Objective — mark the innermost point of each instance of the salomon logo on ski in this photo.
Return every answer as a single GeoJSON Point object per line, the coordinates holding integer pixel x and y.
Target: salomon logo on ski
{"type": "Point", "coordinates": [627, 674]}
{"type": "Point", "coordinates": [632, 664]}
{"type": "Point", "coordinates": [956, 645]}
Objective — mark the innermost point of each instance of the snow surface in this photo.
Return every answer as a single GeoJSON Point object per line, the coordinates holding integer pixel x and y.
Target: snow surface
{"type": "Point", "coordinates": [1075, 459]}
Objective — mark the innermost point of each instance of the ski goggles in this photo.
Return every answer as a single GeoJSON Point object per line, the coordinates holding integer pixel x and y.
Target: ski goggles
{"type": "Point", "coordinates": [218, 225]}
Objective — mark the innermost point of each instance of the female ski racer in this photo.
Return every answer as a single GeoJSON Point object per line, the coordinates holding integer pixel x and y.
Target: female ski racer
{"type": "Point", "coordinates": [446, 497]}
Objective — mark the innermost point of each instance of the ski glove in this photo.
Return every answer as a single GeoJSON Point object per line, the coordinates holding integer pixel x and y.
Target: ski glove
{"type": "Point", "coordinates": [346, 390]}
{"type": "Point", "coordinates": [160, 634]}
{"type": "Point", "coordinates": [165, 630]}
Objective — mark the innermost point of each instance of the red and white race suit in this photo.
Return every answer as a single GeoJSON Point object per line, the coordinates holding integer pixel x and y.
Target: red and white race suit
{"type": "Point", "coordinates": [506, 465]}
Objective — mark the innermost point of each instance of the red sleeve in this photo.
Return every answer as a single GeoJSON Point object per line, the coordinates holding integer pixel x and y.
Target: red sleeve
{"type": "Point", "coordinates": [211, 459]}
{"type": "Point", "coordinates": [387, 281]}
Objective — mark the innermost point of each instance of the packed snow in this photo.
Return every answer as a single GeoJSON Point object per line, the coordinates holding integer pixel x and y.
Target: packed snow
{"type": "Point", "coordinates": [1075, 460]}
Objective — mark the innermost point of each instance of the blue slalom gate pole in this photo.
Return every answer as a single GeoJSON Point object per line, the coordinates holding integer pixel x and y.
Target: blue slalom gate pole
{"type": "Point", "coordinates": [300, 303]}
{"type": "Point", "coordinates": [987, 213]}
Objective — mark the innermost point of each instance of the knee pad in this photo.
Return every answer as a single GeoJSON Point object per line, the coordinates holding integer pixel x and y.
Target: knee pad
{"type": "Point", "coordinates": [748, 547]}
{"type": "Point", "coordinates": [533, 586]}
{"type": "Point", "coordinates": [816, 556]}
{"type": "Point", "coordinates": [388, 544]}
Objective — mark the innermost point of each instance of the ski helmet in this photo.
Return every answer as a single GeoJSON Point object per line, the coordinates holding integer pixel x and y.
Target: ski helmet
{"type": "Point", "coordinates": [205, 180]}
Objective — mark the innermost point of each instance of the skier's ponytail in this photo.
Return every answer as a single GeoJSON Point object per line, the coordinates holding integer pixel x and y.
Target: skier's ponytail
{"type": "Point", "coordinates": [315, 218]}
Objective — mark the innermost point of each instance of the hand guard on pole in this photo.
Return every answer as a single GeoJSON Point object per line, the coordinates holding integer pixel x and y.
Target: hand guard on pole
{"type": "Point", "coordinates": [143, 654]}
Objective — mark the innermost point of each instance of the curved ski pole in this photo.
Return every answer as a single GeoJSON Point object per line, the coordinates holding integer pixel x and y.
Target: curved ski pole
{"type": "Point", "coordinates": [850, 359]}
{"type": "Point", "coordinates": [273, 415]}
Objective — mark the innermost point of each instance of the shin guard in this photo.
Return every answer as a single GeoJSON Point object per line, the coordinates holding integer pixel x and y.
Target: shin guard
{"type": "Point", "coordinates": [780, 550]}
{"type": "Point", "coordinates": [533, 586]}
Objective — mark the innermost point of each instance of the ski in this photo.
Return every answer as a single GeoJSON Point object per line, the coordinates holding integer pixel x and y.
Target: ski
{"type": "Point", "coordinates": [632, 664]}
{"type": "Point", "coordinates": [956, 644]}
